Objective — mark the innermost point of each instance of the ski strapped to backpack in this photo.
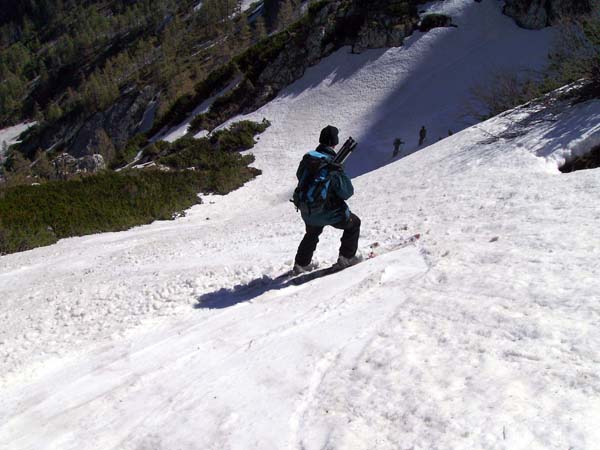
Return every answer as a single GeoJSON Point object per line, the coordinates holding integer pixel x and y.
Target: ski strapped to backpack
{"type": "Point", "coordinates": [345, 151]}
{"type": "Point", "coordinates": [312, 194]}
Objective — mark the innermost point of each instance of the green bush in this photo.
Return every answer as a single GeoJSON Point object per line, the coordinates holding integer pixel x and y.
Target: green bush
{"type": "Point", "coordinates": [155, 150]}
{"type": "Point", "coordinates": [240, 136]}
{"type": "Point", "coordinates": [224, 107]}
{"type": "Point", "coordinates": [33, 216]}
{"type": "Point", "coordinates": [218, 150]}
{"type": "Point", "coordinates": [127, 154]}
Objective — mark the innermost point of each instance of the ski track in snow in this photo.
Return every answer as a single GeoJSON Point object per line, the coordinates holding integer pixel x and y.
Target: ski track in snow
{"type": "Point", "coordinates": [484, 335]}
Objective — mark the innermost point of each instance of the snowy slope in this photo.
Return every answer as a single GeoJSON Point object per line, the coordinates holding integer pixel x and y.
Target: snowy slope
{"type": "Point", "coordinates": [384, 94]}
{"type": "Point", "coordinates": [11, 135]}
{"type": "Point", "coordinates": [485, 335]}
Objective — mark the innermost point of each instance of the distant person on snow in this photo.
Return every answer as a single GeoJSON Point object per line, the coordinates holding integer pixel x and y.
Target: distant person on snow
{"type": "Point", "coordinates": [397, 143]}
{"type": "Point", "coordinates": [422, 135]}
{"type": "Point", "coordinates": [329, 187]}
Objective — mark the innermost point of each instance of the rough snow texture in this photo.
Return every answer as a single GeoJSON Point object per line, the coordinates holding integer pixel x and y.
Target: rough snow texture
{"type": "Point", "coordinates": [485, 335]}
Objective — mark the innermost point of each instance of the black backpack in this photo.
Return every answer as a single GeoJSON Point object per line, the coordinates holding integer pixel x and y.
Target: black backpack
{"type": "Point", "coordinates": [312, 195]}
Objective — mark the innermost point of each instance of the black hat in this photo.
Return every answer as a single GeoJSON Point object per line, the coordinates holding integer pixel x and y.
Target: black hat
{"type": "Point", "coordinates": [329, 136]}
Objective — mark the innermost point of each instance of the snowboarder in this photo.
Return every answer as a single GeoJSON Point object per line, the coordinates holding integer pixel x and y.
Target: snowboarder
{"type": "Point", "coordinates": [335, 187]}
{"type": "Point", "coordinates": [397, 143]}
{"type": "Point", "coordinates": [422, 135]}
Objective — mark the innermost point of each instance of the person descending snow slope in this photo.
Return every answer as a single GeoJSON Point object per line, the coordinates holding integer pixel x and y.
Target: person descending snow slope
{"type": "Point", "coordinates": [320, 196]}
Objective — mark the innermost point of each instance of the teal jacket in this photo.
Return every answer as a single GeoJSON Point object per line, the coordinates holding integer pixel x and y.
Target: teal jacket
{"type": "Point", "coordinates": [341, 190]}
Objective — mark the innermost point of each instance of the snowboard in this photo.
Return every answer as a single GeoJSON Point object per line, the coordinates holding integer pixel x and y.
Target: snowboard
{"type": "Point", "coordinates": [372, 251]}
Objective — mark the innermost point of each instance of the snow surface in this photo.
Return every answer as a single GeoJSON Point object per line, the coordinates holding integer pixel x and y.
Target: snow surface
{"type": "Point", "coordinates": [11, 135]}
{"type": "Point", "coordinates": [483, 336]}
{"type": "Point", "coordinates": [245, 4]}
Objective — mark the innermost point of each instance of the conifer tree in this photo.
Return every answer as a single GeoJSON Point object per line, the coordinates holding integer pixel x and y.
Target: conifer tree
{"type": "Point", "coordinates": [260, 29]}
{"type": "Point", "coordinates": [54, 112]}
{"type": "Point", "coordinates": [105, 146]}
{"type": "Point", "coordinates": [244, 34]}
{"type": "Point", "coordinates": [17, 164]}
{"type": "Point", "coordinates": [286, 14]}
{"type": "Point", "coordinates": [42, 167]}
{"type": "Point", "coordinates": [37, 114]}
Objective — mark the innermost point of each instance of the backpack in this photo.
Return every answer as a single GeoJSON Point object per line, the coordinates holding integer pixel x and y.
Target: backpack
{"type": "Point", "coordinates": [312, 195]}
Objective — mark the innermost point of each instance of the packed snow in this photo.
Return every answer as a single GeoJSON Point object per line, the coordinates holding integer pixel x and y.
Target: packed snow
{"type": "Point", "coordinates": [485, 334]}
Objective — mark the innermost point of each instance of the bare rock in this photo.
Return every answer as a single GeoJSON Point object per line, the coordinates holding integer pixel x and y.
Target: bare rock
{"type": "Point", "coordinates": [105, 131]}
{"type": "Point", "coordinates": [67, 165]}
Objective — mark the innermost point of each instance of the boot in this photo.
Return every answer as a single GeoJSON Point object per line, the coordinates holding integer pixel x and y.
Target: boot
{"type": "Point", "coordinates": [344, 262]}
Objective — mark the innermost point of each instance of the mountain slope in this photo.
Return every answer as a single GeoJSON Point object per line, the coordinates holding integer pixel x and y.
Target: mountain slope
{"type": "Point", "coordinates": [483, 336]}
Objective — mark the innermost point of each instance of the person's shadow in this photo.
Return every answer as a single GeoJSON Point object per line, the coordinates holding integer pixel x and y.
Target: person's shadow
{"type": "Point", "coordinates": [226, 297]}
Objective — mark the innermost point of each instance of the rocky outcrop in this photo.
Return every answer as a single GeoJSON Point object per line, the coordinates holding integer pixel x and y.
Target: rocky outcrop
{"type": "Point", "coordinates": [66, 165]}
{"type": "Point", "coordinates": [383, 33]}
{"type": "Point", "coordinates": [383, 29]}
{"type": "Point", "coordinates": [116, 125]}
{"type": "Point", "coordinates": [102, 133]}
{"type": "Point", "coordinates": [536, 14]}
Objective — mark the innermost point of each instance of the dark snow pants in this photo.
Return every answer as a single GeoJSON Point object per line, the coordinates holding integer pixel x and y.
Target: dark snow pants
{"type": "Point", "coordinates": [349, 240]}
